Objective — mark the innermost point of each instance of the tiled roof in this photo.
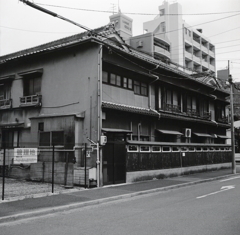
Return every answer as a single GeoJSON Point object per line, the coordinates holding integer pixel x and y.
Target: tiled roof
{"type": "Point", "coordinates": [131, 109]}
{"type": "Point", "coordinates": [179, 116]}
{"type": "Point", "coordinates": [98, 35]}
{"type": "Point", "coordinates": [155, 113]}
{"type": "Point", "coordinates": [58, 44]}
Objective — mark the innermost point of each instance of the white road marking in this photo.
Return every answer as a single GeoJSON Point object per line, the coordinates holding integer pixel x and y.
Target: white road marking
{"type": "Point", "coordinates": [237, 177]}
{"type": "Point", "coordinates": [224, 188]}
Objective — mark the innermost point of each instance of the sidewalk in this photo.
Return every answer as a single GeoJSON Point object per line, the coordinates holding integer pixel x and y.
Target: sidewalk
{"type": "Point", "coordinates": [75, 198]}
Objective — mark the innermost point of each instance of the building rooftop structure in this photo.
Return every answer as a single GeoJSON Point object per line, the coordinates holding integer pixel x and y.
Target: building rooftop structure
{"type": "Point", "coordinates": [169, 38]}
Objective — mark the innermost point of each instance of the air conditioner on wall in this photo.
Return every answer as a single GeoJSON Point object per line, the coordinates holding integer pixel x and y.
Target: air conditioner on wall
{"type": "Point", "coordinates": [187, 132]}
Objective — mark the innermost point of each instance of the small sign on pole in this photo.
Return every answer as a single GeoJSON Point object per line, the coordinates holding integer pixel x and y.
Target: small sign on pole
{"type": "Point", "coordinates": [88, 153]}
{"type": "Point", "coordinates": [25, 155]}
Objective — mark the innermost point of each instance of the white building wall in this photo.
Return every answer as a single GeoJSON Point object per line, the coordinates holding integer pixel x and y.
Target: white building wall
{"type": "Point", "coordinates": [175, 34]}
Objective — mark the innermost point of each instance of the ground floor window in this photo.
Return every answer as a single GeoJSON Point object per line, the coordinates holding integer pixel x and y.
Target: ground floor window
{"type": "Point", "coordinates": [10, 138]}
{"type": "Point", "coordinates": [50, 138]}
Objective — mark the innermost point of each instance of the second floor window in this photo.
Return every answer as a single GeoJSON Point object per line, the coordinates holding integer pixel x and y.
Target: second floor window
{"type": "Point", "coordinates": [171, 100]}
{"type": "Point", "coordinates": [32, 82]}
{"type": "Point", "coordinates": [4, 92]}
{"type": "Point", "coordinates": [32, 86]}
{"type": "Point", "coordinates": [127, 83]}
{"type": "Point", "coordinates": [115, 79]}
{"type": "Point", "coordinates": [140, 88]}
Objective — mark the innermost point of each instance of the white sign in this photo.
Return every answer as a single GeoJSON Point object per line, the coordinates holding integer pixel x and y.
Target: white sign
{"type": "Point", "coordinates": [88, 154]}
{"type": "Point", "coordinates": [25, 155]}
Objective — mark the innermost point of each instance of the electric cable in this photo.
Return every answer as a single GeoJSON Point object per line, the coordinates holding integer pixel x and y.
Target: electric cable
{"type": "Point", "coordinates": [35, 31]}
{"type": "Point", "coordinates": [70, 21]}
{"type": "Point", "coordinates": [134, 13]}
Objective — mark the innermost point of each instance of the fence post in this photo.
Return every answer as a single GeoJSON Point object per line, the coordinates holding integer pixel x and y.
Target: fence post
{"type": "Point", "coordinates": [66, 168]}
{"type": "Point", "coordinates": [3, 172]}
{"type": "Point", "coordinates": [85, 164]}
{"type": "Point", "coordinates": [53, 151]}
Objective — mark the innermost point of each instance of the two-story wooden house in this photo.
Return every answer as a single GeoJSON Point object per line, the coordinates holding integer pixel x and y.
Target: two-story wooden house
{"type": "Point", "coordinates": [156, 117]}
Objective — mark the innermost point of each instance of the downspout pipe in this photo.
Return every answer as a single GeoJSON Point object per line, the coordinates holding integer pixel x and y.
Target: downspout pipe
{"type": "Point", "coordinates": [150, 91]}
{"type": "Point", "coordinates": [99, 119]}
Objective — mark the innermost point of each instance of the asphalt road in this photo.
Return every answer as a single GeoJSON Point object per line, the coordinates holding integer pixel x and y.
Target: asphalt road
{"type": "Point", "coordinates": [208, 208]}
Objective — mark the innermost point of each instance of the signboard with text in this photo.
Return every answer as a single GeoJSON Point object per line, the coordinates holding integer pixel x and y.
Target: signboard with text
{"type": "Point", "coordinates": [25, 155]}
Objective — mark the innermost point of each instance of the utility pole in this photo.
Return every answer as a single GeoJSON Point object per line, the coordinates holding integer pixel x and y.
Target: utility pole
{"type": "Point", "coordinates": [230, 80]}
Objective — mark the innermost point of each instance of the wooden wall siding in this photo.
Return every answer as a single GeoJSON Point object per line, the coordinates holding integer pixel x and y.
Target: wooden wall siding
{"type": "Point", "coordinates": [154, 161]}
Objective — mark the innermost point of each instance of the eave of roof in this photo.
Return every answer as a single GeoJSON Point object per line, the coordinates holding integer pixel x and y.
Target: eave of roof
{"type": "Point", "coordinates": [131, 109]}
{"type": "Point", "coordinates": [155, 113]}
{"type": "Point", "coordinates": [178, 116]}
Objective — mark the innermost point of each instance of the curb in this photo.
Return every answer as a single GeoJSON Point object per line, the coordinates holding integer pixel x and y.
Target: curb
{"type": "Point", "coordinates": [38, 195]}
{"type": "Point", "coordinates": [72, 206]}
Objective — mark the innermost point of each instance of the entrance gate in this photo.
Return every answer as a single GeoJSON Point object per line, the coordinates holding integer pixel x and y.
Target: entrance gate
{"type": "Point", "coordinates": [114, 163]}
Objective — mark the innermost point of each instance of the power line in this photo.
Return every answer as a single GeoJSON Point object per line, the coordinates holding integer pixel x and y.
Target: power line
{"type": "Point", "coordinates": [227, 41]}
{"type": "Point", "coordinates": [135, 13]}
{"type": "Point", "coordinates": [228, 52]}
{"type": "Point", "coordinates": [199, 24]}
{"type": "Point", "coordinates": [54, 14]}
{"type": "Point", "coordinates": [70, 21]}
{"type": "Point", "coordinates": [34, 31]}
{"type": "Point", "coordinates": [224, 32]}
{"type": "Point", "coordinates": [228, 46]}
{"type": "Point", "coordinates": [180, 47]}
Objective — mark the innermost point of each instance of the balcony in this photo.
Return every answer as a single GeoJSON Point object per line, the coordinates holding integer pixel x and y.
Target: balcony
{"type": "Point", "coordinates": [204, 63]}
{"type": "Point", "coordinates": [196, 43]}
{"type": "Point", "coordinates": [204, 49]}
{"type": "Point", "coordinates": [6, 104]}
{"type": "Point", "coordinates": [32, 100]}
{"type": "Point", "coordinates": [223, 120]}
{"type": "Point", "coordinates": [211, 53]}
{"type": "Point", "coordinates": [193, 112]}
{"type": "Point", "coordinates": [212, 67]}
{"type": "Point", "coordinates": [173, 108]}
{"type": "Point", "coordinates": [161, 52]}
{"type": "Point", "coordinates": [197, 59]}
{"type": "Point", "coordinates": [206, 115]}
{"type": "Point", "coordinates": [188, 55]}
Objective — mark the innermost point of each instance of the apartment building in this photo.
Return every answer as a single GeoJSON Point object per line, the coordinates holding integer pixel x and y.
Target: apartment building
{"type": "Point", "coordinates": [169, 38]}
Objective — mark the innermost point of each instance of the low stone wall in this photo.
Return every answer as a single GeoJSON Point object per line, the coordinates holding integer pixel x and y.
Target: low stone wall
{"type": "Point", "coordinates": [42, 171]}
{"type": "Point", "coordinates": [135, 176]}
{"type": "Point", "coordinates": [19, 172]}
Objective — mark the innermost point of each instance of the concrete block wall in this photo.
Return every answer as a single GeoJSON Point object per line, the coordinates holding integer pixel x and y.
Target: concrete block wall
{"type": "Point", "coordinates": [42, 171]}
{"type": "Point", "coordinates": [135, 176]}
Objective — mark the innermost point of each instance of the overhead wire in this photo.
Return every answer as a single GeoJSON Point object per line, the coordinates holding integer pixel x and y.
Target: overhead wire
{"type": "Point", "coordinates": [84, 27]}
{"type": "Point", "coordinates": [35, 31]}
{"type": "Point", "coordinates": [163, 32]}
{"type": "Point", "coordinates": [135, 13]}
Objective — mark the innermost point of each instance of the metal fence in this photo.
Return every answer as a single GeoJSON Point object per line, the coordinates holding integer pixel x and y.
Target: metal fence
{"type": "Point", "coordinates": [47, 170]}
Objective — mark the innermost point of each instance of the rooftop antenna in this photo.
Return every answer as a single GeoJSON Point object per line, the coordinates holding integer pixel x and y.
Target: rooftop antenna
{"type": "Point", "coordinates": [119, 10]}
{"type": "Point", "coordinates": [113, 6]}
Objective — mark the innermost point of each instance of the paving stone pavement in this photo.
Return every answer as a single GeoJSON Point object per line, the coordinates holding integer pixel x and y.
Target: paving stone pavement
{"type": "Point", "coordinates": [20, 188]}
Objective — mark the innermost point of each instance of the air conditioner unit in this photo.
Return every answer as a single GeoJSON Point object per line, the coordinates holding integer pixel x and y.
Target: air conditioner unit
{"type": "Point", "coordinates": [139, 44]}
{"type": "Point", "coordinates": [187, 132]}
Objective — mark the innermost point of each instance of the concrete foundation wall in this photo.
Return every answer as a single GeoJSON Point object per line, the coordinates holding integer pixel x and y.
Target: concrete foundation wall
{"type": "Point", "coordinates": [151, 174]}
{"type": "Point", "coordinates": [43, 172]}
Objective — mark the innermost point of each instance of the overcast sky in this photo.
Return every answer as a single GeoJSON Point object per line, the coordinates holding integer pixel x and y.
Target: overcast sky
{"type": "Point", "coordinates": [23, 27]}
